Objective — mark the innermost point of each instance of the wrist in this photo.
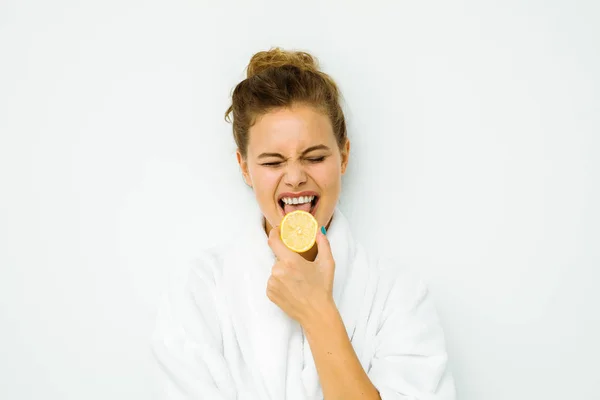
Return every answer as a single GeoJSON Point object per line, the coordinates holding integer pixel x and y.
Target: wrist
{"type": "Point", "coordinates": [323, 316]}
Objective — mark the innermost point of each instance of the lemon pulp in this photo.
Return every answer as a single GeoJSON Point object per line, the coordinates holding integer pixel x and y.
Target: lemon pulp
{"type": "Point", "coordinates": [298, 231]}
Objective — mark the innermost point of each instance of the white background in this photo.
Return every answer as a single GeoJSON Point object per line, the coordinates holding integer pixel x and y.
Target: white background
{"type": "Point", "coordinates": [475, 143]}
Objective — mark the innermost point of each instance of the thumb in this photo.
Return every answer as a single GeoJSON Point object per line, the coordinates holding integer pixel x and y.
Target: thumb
{"type": "Point", "coordinates": [324, 254]}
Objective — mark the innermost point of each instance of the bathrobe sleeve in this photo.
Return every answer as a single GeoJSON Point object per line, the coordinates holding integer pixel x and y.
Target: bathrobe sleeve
{"type": "Point", "coordinates": [410, 359]}
{"type": "Point", "coordinates": [187, 341]}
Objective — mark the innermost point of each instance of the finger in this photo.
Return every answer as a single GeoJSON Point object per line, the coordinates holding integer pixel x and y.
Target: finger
{"type": "Point", "coordinates": [279, 248]}
{"type": "Point", "coordinates": [272, 289]}
{"type": "Point", "coordinates": [324, 253]}
{"type": "Point", "coordinates": [325, 260]}
{"type": "Point", "coordinates": [278, 270]}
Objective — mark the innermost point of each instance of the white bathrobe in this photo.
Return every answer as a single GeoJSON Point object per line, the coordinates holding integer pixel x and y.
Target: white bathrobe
{"type": "Point", "coordinates": [220, 337]}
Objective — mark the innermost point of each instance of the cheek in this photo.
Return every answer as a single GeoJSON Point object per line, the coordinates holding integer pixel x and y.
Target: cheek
{"type": "Point", "coordinates": [327, 176]}
{"type": "Point", "coordinates": [265, 182]}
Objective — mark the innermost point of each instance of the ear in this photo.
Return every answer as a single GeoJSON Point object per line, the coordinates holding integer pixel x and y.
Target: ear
{"type": "Point", "coordinates": [345, 155]}
{"type": "Point", "coordinates": [243, 167]}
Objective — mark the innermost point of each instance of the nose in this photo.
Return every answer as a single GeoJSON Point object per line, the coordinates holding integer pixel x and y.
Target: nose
{"type": "Point", "coordinates": [294, 175]}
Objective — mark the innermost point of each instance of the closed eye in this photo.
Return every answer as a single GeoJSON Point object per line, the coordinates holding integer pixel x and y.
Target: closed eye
{"type": "Point", "coordinates": [313, 160]}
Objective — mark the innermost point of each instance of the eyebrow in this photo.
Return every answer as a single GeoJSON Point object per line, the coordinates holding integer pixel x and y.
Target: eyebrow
{"type": "Point", "coordinates": [312, 148]}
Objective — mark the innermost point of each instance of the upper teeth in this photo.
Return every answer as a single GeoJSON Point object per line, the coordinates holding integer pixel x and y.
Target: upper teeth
{"type": "Point", "coordinates": [298, 200]}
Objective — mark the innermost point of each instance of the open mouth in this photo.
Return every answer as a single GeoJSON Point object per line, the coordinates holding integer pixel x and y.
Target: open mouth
{"type": "Point", "coordinates": [292, 207]}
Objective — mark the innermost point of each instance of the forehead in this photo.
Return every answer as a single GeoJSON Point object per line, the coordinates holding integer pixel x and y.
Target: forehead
{"type": "Point", "coordinates": [290, 130]}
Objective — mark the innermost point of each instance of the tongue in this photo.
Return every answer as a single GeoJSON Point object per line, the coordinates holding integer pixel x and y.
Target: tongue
{"type": "Point", "coordinates": [293, 207]}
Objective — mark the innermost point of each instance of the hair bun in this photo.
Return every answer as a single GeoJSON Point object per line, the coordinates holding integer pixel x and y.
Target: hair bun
{"type": "Point", "coordinates": [277, 57]}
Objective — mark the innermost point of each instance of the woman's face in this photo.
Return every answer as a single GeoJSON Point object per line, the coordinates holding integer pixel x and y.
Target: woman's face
{"type": "Point", "coordinates": [291, 151]}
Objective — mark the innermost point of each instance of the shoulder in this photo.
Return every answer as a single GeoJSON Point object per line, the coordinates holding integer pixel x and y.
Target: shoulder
{"type": "Point", "coordinates": [198, 273]}
{"type": "Point", "coordinates": [402, 286]}
{"type": "Point", "coordinates": [207, 264]}
{"type": "Point", "coordinates": [192, 290]}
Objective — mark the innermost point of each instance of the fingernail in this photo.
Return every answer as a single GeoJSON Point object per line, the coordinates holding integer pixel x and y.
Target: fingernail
{"type": "Point", "coordinates": [323, 230]}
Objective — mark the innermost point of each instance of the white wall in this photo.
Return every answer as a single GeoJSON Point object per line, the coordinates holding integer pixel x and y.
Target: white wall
{"type": "Point", "coordinates": [475, 143]}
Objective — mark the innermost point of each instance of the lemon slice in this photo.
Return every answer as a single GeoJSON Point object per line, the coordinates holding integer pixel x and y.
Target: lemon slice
{"type": "Point", "coordinates": [298, 231]}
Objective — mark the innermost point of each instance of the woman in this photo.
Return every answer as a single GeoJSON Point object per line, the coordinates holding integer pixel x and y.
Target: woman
{"type": "Point", "coordinates": [258, 321]}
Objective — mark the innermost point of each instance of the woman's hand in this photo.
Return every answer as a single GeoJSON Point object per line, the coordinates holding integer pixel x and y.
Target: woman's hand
{"type": "Point", "coordinates": [299, 287]}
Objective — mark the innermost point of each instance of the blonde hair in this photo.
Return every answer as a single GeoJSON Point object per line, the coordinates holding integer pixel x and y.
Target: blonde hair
{"type": "Point", "coordinates": [280, 78]}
